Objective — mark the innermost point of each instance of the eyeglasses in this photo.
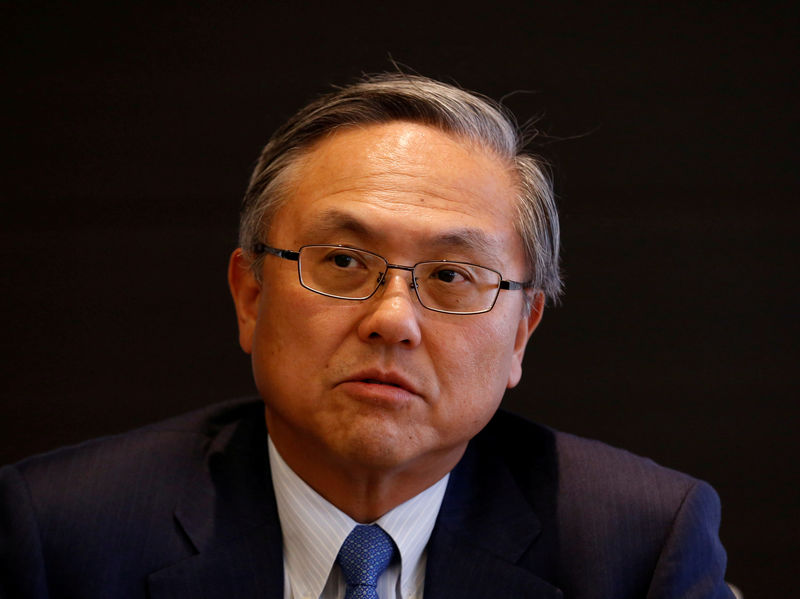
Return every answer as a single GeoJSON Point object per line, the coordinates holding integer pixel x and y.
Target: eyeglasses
{"type": "Point", "coordinates": [351, 274]}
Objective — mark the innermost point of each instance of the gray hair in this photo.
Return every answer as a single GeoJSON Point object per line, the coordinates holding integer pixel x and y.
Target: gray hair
{"type": "Point", "coordinates": [401, 97]}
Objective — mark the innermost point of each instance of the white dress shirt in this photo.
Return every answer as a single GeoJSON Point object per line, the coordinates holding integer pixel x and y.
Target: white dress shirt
{"type": "Point", "coordinates": [314, 530]}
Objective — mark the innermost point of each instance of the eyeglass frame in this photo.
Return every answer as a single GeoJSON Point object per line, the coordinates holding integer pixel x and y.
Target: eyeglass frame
{"type": "Point", "coordinates": [294, 255]}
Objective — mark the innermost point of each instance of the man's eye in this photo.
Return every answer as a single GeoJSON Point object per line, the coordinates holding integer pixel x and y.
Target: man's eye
{"type": "Point", "coordinates": [447, 275]}
{"type": "Point", "coordinates": [344, 260]}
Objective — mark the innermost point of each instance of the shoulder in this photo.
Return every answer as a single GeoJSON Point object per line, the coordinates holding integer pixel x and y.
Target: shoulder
{"type": "Point", "coordinates": [581, 466]}
{"type": "Point", "coordinates": [581, 480]}
{"type": "Point", "coordinates": [117, 465]}
{"type": "Point", "coordinates": [109, 506]}
{"type": "Point", "coordinates": [611, 514]}
{"type": "Point", "coordinates": [594, 487]}
{"type": "Point", "coordinates": [203, 423]}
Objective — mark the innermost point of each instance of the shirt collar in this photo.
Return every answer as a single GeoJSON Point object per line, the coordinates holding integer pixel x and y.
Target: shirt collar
{"type": "Point", "coordinates": [314, 529]}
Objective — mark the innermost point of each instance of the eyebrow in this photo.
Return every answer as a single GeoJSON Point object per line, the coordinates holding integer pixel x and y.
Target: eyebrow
{"type": "Point", "coordinates": [333, 221]}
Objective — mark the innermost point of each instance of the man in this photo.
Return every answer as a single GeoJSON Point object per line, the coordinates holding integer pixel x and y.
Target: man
{"type": "Point", "coordinates": [396, 251]}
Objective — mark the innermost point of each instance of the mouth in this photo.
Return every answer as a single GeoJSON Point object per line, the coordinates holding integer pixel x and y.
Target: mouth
{"type": "Point", "coordinates": [389, 385]}
{"type": "Point", "coordinates": [377, 382]}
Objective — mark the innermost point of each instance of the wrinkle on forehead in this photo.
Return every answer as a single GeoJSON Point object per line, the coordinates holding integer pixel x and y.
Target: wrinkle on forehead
{"type": "Point", "coordinates": [395, 157]}
{"type": "Point", "coordinates": [335, 220]}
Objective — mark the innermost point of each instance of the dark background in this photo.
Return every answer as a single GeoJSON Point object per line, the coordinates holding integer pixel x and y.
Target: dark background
{"type": "Point", "coordinates": [130, 134]}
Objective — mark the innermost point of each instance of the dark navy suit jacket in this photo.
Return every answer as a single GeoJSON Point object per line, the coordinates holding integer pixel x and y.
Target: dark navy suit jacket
{"type": "Point", "coordinates": [185, 509]}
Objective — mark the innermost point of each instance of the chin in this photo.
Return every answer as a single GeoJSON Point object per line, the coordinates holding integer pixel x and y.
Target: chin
{"type": "Point", "coordinates": [398, 450]}
{"type": "Point", "coordinates": [376, 448]}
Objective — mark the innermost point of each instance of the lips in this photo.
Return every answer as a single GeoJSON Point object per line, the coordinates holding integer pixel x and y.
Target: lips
{"type": "Point", "coordinates": [377, 382]}
{"type": "Point", "coordinates": [383, 383]}
{"type": "Point", "coordinates": [393, 379]}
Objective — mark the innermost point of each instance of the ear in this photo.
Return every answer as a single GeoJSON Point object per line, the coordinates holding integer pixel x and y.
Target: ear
{"type": "Point", "coordinates": [246, 292]}
{"type": "Point", "coordinates": [527, 325]}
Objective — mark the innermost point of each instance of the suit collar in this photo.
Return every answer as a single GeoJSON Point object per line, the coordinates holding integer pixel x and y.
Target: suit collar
{"type": "Point", "coordinates": [228, 514]}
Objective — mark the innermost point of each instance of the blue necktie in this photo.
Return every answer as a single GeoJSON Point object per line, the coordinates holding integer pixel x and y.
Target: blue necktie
{"type": "Point", "coordinates": [365, 554]}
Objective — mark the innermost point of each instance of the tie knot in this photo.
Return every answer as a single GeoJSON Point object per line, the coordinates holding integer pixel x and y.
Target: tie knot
{"type": "Point", "coordinates": [364, 555]}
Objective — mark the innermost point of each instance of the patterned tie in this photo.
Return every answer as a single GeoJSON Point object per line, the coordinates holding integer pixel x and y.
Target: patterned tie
{"type": "Point", "coordinates": [365, 554]}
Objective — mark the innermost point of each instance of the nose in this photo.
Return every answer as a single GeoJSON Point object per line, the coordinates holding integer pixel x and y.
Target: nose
{"type": "Point", "coordinates": [393, 312]}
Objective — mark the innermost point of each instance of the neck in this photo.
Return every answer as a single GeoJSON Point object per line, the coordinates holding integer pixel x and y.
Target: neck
{"type": "Point", "coordinates": [365, 492]}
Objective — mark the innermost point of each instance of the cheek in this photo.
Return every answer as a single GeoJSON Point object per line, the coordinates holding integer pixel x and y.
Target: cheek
{"type": "Point", "coordinates": [296, 336]}
{"type": "Point", "coordinates": [473, 369]}
{"type": "Point", "coordinates": [279, 333]}
{"type": "Point", "coordinates": [488, 350]}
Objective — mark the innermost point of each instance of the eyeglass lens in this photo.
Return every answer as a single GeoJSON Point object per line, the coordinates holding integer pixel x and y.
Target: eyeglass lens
{"type": "Point", "coordinates": [356, 274]}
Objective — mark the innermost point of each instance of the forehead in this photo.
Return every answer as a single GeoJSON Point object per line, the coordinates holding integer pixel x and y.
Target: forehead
{"type": "Point", "coordinates": [400, 178]}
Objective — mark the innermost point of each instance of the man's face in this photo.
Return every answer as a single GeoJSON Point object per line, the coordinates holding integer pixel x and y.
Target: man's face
{"type": "Point", "coordinates": [384, 384]}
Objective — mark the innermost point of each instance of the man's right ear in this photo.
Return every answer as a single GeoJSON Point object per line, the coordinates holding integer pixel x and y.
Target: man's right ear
{"type": "Point", "coordinates": [245, 291]}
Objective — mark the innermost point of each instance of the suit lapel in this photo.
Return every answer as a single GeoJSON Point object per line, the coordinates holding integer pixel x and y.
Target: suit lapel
{"type": "Point", "coordinates": [486, 542]}
{"type": "Point", "coordinates": [250, 566]}
{"type": "Point", "coordinates": [457, 570]}
{"type": "Point", "coordinates": [230, 518]}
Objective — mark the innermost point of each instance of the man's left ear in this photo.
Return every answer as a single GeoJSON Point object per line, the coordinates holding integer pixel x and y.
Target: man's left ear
{"type": "Point", "coordinates": [527, 325]}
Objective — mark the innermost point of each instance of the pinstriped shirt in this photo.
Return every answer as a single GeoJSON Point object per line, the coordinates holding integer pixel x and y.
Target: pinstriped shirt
{"type": "Point", "coordinates": [314, 530]}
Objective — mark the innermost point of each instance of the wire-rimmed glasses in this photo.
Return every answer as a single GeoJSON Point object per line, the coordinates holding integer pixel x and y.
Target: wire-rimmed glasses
{"type": "Point", "coordinates": [350, 273]}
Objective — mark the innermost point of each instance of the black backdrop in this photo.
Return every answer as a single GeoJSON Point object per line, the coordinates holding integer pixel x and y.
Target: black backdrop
{"type": "Point", "coordinates": [130, 133]}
